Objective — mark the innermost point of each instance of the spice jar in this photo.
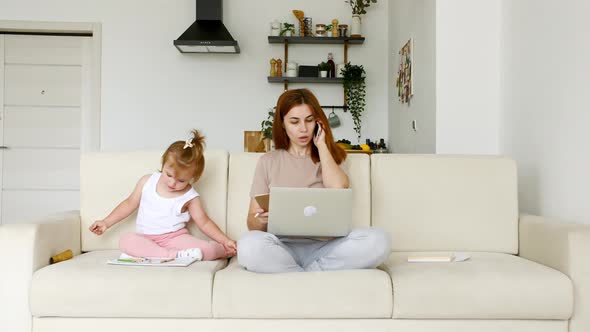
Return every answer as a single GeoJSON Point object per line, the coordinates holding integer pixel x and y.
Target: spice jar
{"type": "Point", "coordinates": [320, 30]}
{"type": "Point", "coordinates": [343, 30]}
{"type": "Point", "coordinates": [307, 26]}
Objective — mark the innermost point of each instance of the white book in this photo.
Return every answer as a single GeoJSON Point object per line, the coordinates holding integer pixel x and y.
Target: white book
{"type": "Point", "coordinates": [442, 258]}
{"type": "Point", "coordinates": [125, 259]}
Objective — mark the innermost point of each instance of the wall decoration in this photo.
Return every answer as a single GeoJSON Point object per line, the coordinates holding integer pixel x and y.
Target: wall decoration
{"type": "Point", "coordinates": [405, 89]}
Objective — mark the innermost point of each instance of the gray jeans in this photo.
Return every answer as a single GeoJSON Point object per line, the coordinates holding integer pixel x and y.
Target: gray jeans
{"type": "Point", "coordinates": [363, 248]}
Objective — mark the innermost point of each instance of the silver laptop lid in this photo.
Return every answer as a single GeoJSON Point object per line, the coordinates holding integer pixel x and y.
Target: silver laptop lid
{"type": "Point", "coordinates": [310, 211]}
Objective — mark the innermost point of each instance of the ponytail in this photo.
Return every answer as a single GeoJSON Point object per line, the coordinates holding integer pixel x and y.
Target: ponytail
{"type": "Point", "coordinates": [187, 154]}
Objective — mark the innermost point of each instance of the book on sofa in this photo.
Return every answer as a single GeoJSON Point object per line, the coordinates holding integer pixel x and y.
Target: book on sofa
{"type": "Point", "coordinates": [439, 258]}
{"type": "Point", "coordinates": [125, 259]}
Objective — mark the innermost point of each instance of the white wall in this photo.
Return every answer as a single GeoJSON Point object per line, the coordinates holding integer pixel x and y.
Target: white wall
{"type": "Point", "coordinates": [545, 105]}
{"type": "Point", "coordinates": [413, 19]}
{"type": "Point", "coordinates": [467, 76]}
{"type": "Point", "coordinates": [152, 94]}
{"type": "Point", "coordinates": [456, 76]}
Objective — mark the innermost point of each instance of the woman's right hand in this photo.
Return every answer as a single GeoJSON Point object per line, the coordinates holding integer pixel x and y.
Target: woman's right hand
{"type": "Point", "coordinates": [99, 227]}
{"type": "Point", "coordinates": [261, 216]}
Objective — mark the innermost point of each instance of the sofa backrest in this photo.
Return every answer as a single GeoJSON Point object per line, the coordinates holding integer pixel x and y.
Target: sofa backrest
{"type": "Point", "coordinates": [438, 202]}
{"type": "Point", "coordinates": [241, 172]}
{"type": "Point", "coordinates": [106, 179]}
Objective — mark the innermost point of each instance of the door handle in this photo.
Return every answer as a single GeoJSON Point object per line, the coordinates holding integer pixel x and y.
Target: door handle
{"type": "Point", "coordinates": [3, 147]}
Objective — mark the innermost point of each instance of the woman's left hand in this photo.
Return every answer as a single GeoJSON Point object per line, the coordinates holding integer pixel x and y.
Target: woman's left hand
{"type": "Point", "coordinates": [320, 137]}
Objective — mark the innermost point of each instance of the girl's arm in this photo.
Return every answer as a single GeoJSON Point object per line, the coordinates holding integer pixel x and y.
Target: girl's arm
{"type": "Point", "coordinates": [123, 210]}
{"type": "Point", "coordinates": [205, 224]}
{"type": "Point", "coordinates": [332, 175]}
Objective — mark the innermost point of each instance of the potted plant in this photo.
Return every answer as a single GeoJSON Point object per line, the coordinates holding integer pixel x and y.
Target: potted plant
{"type": "Point", "coordinates": [355, 92]}
{"type": "Point", "coordinates": [323, 68]}
{"type": "Point", "coordinates": [288, 29]}
{"type": "Point", "coordinates": [358, 9]}
{"type": "Point", "coordinates": [266, 129]}
{"type": "Point", "coordinates": [329, 30]}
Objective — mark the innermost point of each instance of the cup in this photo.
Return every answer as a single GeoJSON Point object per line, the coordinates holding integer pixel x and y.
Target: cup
{"type": "Point", "coordinates": [333, 120]}
{"type": "Point", "coordinates": [291, 73]}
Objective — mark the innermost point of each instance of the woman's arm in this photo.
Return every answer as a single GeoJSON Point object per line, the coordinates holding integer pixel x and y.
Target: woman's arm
{"type": "Point", "coordinates": [332, 175]}
{"type": "Point", "coordinates": [257, 217]}
{"type": "Point", "coordinates": [122, 211]}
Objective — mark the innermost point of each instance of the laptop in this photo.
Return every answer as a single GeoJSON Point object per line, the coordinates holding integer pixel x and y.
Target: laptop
{"type": "Point", "coordinates": [310, 212]}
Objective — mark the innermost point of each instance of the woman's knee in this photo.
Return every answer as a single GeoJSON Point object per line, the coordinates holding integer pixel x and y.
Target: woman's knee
{"type": "Point", "coordinates": [251, 247]}
{"type": "Point", "coordinates": [376, 242]}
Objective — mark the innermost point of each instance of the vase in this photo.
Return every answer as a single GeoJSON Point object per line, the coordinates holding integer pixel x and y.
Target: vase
{"type": "Point", "coordinates": [323, 73]}
{"type": "Point", "coordinates": [355, 27]}
{"type": "Point", "coordinates": [267, 144]}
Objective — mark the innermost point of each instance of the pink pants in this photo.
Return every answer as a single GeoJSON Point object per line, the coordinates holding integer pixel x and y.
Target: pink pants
{"type": "Point", "coordinates": [167, 245]}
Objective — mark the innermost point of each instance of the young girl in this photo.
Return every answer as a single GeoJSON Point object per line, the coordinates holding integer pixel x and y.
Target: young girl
{"type": "Point", "coordinates": [166, 200]}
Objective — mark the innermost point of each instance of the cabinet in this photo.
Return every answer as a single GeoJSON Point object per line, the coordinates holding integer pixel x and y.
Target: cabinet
{"type": "Point", "coordinates": [345, 41]}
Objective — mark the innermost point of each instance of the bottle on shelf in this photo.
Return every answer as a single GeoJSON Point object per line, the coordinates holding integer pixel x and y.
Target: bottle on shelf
{"type": "Point", "coordinates": [332, 65]}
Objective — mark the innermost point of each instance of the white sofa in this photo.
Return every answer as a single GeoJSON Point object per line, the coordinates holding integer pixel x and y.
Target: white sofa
{"type": "Point", "coordinates": [525, 274]}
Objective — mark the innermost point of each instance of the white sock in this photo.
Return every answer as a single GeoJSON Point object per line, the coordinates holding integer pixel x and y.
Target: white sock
{"type": "Point", "coordinates": [192, 253]}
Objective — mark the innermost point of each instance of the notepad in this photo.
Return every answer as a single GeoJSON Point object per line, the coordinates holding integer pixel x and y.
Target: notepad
{"type": "Point", "coordinates": [141, 261]}
{"type": "Point", "coordinates": [442, 258]}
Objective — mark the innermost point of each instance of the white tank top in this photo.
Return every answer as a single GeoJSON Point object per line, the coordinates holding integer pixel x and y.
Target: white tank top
{"type": "Point", "coordinates": [159, 215]}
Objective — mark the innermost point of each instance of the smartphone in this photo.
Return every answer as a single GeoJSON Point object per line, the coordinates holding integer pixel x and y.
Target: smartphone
{"type": "Point", "coordinates": [316, 129]}
{"type": "Point", "coordinates": [263, 200]}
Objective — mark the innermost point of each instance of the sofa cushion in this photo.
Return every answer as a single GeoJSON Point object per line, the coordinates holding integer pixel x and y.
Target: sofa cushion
{"type": "Point", "coordinates": [487, 286]}
{"type": "Point", "coordinates": [241, 172]}
{"type": "Point", "coordinates": [86, 286]}
{"type": "Point", "coordinates": [238, 293]}
{"type": "Point", "coordinates": [108, 178]}
{"type": "Point", "coordinates": [439, 202]}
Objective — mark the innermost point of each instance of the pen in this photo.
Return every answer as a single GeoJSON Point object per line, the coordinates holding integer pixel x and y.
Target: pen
{"type": "Point", "coordinates": [130, 260]}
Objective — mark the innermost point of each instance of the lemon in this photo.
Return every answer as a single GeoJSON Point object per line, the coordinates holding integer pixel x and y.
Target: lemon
{"type": "Point", "coordinates": [365, 147]}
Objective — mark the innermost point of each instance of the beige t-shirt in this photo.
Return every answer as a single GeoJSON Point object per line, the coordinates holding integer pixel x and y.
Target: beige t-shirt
{"type": "Point", "coordinates": [279, 168]}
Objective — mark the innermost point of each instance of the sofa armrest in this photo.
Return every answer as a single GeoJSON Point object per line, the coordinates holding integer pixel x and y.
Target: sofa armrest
{"type": "Point", "coordinates": [25, 249]}
{"type": "Point", "coordinates": [564, 247]}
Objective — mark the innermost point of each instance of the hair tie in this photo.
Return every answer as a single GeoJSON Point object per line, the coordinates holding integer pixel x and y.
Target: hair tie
{"type": "Point", "coordinates": [188, 143]}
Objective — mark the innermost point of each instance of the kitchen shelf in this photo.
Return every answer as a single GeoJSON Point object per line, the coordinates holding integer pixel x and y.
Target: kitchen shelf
{"type": "Point", "coordinates": [315, 40]}
{"type": "Point", "coordinates": [286, 41]}
{"type": "Point", "coordinates": [284, 79]}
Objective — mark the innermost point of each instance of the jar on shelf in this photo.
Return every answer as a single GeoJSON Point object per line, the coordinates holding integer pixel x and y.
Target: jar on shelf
{"type": "Point", "coordinates": [308, 27]}
{"type": "Point", "coordinates": [343, 30]}
{"type": "Point", "coordinates": [320, 30]}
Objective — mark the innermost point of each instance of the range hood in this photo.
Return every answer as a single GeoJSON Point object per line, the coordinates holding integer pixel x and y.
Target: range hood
{"type": "Point", "coordinates": [207, 34]}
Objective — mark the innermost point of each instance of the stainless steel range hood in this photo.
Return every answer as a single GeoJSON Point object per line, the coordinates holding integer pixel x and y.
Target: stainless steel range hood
{"type": "Point", "coordinates": [207, 34]}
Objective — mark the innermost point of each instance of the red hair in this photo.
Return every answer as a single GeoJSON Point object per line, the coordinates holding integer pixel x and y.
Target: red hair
{"type": "Point", "coordinates": [286, 102]}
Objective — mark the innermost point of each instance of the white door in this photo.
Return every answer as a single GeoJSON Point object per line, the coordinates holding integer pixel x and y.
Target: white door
{"type": "Point", "coordinates": [40, 125]}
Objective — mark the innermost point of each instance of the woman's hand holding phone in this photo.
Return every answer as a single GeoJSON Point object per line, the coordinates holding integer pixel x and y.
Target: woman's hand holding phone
{"type": "Point", "coordinates": [261, 216]}
{"type": "Point", "coordinates": [320, 134]}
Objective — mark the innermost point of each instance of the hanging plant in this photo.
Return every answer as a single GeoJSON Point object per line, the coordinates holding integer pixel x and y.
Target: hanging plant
{"type": "Point", "coordinates": [355, 92]}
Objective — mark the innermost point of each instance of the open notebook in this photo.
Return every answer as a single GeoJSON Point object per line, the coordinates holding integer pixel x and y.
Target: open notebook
{"type": "Point", "coordinates": [125, 259]}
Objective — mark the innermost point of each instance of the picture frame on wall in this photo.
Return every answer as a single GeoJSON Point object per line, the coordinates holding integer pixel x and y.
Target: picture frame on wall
{"type": "Point", "coordinates": [405, 74]}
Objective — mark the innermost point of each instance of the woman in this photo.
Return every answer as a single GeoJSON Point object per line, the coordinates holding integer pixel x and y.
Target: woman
{"type": "Point", "coordinates": [303, 158]}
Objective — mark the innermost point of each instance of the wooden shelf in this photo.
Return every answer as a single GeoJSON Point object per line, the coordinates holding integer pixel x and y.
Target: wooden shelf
{"type": "Point", "coordinates": [358, 151]}
{"type": "Point", "coordinates": [336, 80]}
{"type": "Point", "coordinates": [315, 40]}
{"type": "Point", "coordinates": [286, 41]}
